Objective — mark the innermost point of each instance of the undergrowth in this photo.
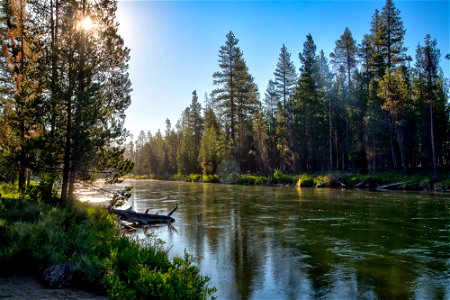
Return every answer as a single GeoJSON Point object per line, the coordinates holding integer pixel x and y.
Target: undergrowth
{"type": "Point", "coordinates": [35, 236]}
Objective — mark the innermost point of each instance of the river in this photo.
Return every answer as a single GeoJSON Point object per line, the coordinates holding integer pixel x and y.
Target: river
{"type": "Point", "coordinates": [258, 242]}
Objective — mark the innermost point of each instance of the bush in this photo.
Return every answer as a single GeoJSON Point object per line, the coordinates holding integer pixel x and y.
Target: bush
{"type": "Point", "coordinates": [194, 178]}
{"type": "Point", "coordinates": [105, 259]}
{"type": "Point", "coordinates": [305, 181]}
{"type": "Point", "coordinates": [8, 190]}
{"type": "Point", "coordinates": [213, 178]}
{"type": "Point", "coordinates": [178, 177]}
{"type": "Point", "coordinates": [280, 177]}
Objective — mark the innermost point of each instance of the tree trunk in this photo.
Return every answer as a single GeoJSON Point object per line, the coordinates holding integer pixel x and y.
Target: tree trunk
{"type": "Point", "coordinates": [433, 151]}
{"type": "Point", "coordinates": [401, 145]}
{"type": "Point", "coordinates": [330, 138]}
{"type": "Point", "coordinates": [391, 143]}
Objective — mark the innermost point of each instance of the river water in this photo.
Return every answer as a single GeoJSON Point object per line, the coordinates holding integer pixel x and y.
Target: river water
{"type": "Point", "coordinates": [259, 242]}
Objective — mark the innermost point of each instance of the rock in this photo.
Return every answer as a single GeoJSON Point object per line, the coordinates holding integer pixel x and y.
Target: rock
{"type": "Point", "coordinates": [59, 276]}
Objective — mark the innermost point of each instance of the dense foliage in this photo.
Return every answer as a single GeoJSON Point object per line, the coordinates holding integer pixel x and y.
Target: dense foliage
{"type": "Point", "coordinates": [64, 88]}
{"type": "Point", "coordinates": [35, 236]}
{"type": "Point", "coordinates": [367, 108]}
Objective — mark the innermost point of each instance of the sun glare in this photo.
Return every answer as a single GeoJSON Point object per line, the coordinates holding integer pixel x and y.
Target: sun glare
{"type": "Point", "coordinates": [87, 24]}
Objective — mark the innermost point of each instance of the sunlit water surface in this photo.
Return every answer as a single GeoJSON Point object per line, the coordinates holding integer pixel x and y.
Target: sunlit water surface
{"type": "Point", "coordinates": [285, 243]}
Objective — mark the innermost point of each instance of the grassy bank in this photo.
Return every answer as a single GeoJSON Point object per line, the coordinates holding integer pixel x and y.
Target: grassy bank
{"type": "Point", "coordinates": [34, 236]}
{"type": "Point", "coordinates": [415, 182]}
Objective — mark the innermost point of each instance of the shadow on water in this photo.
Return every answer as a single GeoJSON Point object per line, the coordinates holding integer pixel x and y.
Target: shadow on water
{"type": "Point", "coordinates": [284, 243]}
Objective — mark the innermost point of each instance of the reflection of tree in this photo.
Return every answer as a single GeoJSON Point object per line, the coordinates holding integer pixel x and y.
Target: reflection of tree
{"type": "Point", "coordinates": [245, 259]}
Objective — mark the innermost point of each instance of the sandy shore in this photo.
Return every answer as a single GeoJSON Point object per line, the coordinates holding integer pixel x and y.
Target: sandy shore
{"type": "Point", "coordinates": [27, 287]}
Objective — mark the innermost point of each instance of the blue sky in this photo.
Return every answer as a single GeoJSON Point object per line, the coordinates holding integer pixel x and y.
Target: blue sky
{"type": "Point", "coordinates": [175, 44]}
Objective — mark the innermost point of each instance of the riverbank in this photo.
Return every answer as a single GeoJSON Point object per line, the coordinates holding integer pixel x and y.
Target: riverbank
{"type": "Point", "coordinates": [100, 258]}
{"type": "Point", "coordinates": [21, 287]}
{"type": "Point", "coordinates": [374, 181]}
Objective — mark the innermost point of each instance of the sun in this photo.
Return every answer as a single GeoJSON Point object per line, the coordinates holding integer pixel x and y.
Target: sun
{"type": "Point", "coordinates": [87, 24]}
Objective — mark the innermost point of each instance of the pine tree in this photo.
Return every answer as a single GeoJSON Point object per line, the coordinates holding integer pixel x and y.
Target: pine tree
{"type": "Point", "coordinates": [285, 77]}
{"type": "Point", "coordinates": [285, 156]}
{"type": "Point", "coordinates": [83, 90]}
{"type": "Point", "coordinates": [20, 88]}
{"type": "Point", "coordinates": [196, 119]}
{"type": "Point", "coordinates": [391, 36]}
{"type": "Point", "coordinates": [211, 150]}
{"type": "Point", "coordinates": [344, 61]}
{"type": "Point", "coordinates": [229, 82]}
{"type": "Point", "coordinates": [270, 109]}
{"type": "Point", "coordinates": [344, 54]}
{"type": "Point", "coordinates": [430, 94]}
{"type": "Point", "coordinates": [235, 99]}
{"type": "Point", "coordinates": [191, 132]}
{"type": "Point", "coordinates": [260, 140]}
{"type": "Point", "coordinates": [211, 144]}
{"type": "Point", "coordinates": [395, 89]}
{"type": "Point", "coordinates": [172, 141]}
{"type": "Point", "coordinates": [271, 103]}
{"type": "Point", "coordinates": [309, 108]}
{"type": "Point", "coordinates": [324, 83]}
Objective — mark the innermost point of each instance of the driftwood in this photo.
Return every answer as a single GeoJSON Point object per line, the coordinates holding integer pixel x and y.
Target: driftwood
{"type": "Point", "coordinates": [144, 218]}
{"type": "Point", "coordinates": [391, 185]}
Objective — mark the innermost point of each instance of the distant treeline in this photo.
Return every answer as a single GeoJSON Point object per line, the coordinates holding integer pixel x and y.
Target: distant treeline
{"type": "Point", "coordinates": [366, 107]}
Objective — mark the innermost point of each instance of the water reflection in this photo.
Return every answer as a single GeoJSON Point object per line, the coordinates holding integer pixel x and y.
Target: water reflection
{"type": "Point", "coordinates": [273, 243]}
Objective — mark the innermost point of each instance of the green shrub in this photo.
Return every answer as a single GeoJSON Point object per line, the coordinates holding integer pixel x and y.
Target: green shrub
{"type": "Point", "coordinates": [305, 181]}
{"type": "Point", "coordinates": [105, 259]}
{"type": "Point", "coordinates": [194, 177]}
{"type": "Point", "coordinates": [179, 177]}
{"type": "Point", "coordinates": [280, 177]}
{"type": "Point", "coordinates": [252, 179]}
{"type": "Point", "coordinates": [320, 180]}
{"type": "Point", "coordinates": [246, 180]}
{"type": "Point", "coordinates": [213, 178]}
{"type": "Point", "coordinates": [8, 190]}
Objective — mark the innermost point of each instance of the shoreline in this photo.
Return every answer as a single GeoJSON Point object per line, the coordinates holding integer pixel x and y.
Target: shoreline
{"type": "Point", "coordinates": [381, 182]}
{"type": "Point", "coordinates": [25, 286]}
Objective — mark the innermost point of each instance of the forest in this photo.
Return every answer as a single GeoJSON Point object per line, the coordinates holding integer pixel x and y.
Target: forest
{"type": "Point", "coordinates": [366, 107]}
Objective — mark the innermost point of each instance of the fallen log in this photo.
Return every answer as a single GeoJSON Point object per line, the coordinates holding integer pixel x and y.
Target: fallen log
{"type": "Point", "coordinates": [143, 218]}
{"type": "Point", "coordinates": [392, 185]}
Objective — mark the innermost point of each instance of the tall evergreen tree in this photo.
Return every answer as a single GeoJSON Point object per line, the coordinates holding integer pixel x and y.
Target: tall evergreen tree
{"type": "Point", "coordinates": [271, 103]}
{"type": "Point", "coordinates": [309, 108]}
{"type": "Point", "coordinates": [391, 36]}
{"type": "Point", "coordinates": [395, 89]}
{"type": "Point", "coordinates": [324, 84]}
{"type": "Point", "coordinates": [270, 109]}
{"type": "Point", "coordinates": [285, 77]}
{"type": "Point", "coordinates": [211, 144]}
{"type": "Point", "coordinates": [191, 133]}
{"type": "Point", "coordinates": [235, 98]}
{"type": "Point", "coordinates": [430, 94]}
{"type": "Point", "coordinates": [95, 112]}
{"type": "Point", "coordinates": [344, 60]}
{"type": "Point", "coordinates": [344, 54]}
{"type": "Point", "coordinates": [20, 87]}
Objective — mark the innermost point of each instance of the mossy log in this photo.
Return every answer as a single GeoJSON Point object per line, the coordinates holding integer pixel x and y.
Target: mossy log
{"type": "Point", "coordinates": [144, 218]}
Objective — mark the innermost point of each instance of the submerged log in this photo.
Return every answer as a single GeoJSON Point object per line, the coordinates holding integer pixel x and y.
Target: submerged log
{"type": "Point", "coordinates": [144, 218]}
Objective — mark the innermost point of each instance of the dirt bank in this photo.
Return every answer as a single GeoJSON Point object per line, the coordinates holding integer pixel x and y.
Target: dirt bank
{"type": "Point", "coordinates": [26, 287]}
